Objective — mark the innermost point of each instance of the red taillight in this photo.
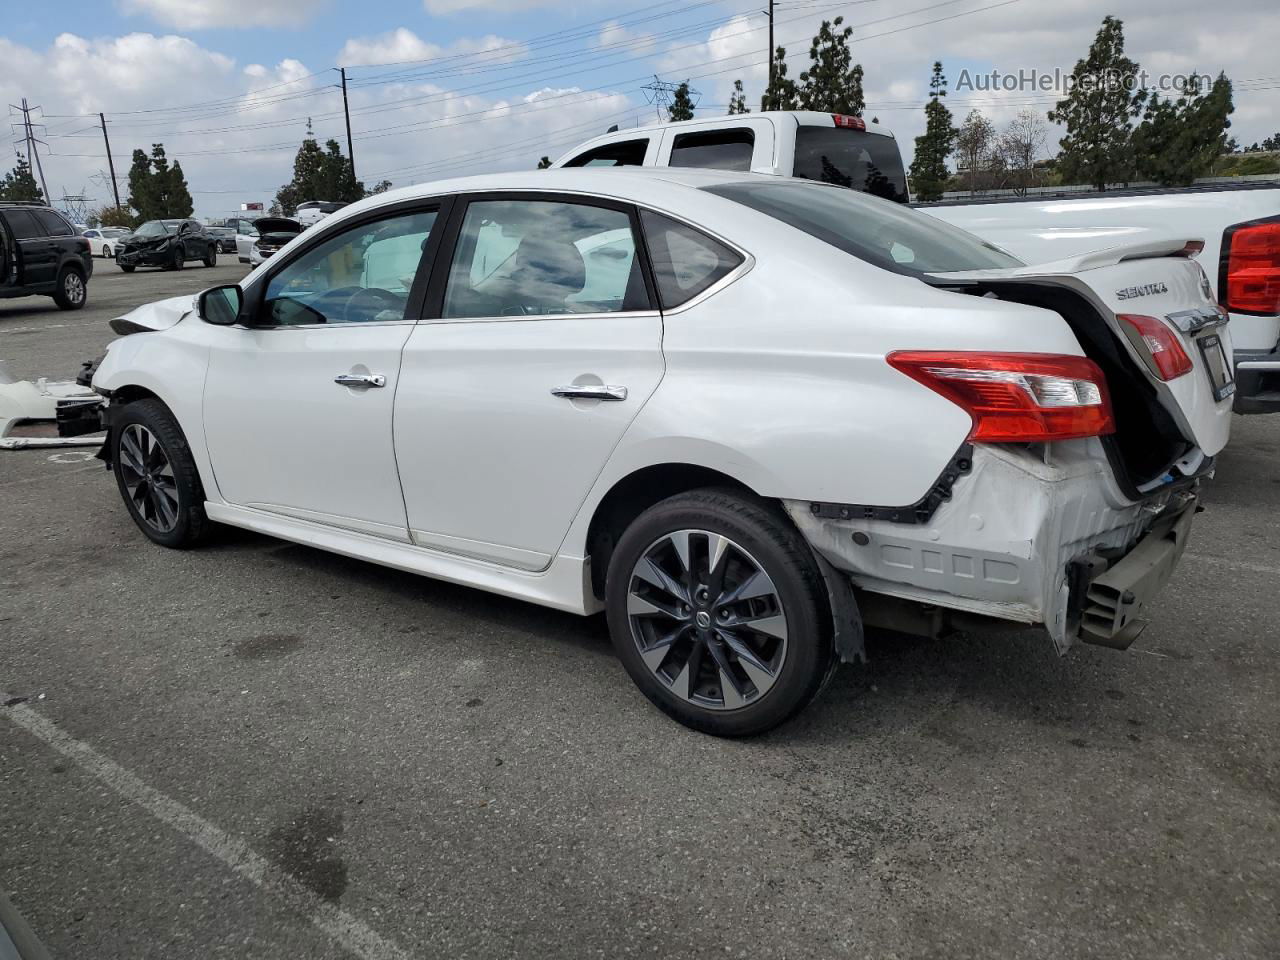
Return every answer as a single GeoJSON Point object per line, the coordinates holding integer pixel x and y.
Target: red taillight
{"type": "Point", "coordinates": [848, 122]}
{"type": "Point", "coordinates": [1166, 351]}
{"type": "Point", "coordinates": [1250, 281]}
{"type": "Point", "coordinates": [1016, 397]}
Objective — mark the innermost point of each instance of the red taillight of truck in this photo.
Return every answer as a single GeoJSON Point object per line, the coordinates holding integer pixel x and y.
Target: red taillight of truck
{"type": "Point", "coordinates": [1249, 281]}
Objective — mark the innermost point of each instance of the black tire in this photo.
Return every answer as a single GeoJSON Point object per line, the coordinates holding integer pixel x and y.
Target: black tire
{"type": "Point", "coordinates": [128, 267]}
{"type": "Point", "coordinates": [73, 290]}
{"type": "Point", "coordinates": [211, 258]}
{"type": "Point", "coordinates": [177, 259]}
{"type": "Point", "coordinates": [781, 553]}
{"type": "Point", "coordinates": [190, 523]}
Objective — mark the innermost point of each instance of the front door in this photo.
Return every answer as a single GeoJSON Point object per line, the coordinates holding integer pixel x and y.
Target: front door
{"type": "Point", "coordinates": [545, 348]}
{"type": "Point", "coordinates": [298, 405]}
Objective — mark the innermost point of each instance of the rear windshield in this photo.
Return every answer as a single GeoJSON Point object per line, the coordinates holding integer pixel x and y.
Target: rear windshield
{"type": "Point", "coordinates": [887, 235]}
{"type": "Point", "coordinates": [851, 158]}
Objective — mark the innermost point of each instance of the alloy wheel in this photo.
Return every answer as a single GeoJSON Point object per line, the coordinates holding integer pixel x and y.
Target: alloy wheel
{"type": "Point", "coordinates": [148, 478]}
{"type": "Point", "coordinates": [707, 620]}
{"type": "Point", "coordinates": [73, 287]}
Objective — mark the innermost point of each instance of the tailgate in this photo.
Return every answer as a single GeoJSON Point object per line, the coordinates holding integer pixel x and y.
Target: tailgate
{"type": "Point", "coordinates": [1151, 281]}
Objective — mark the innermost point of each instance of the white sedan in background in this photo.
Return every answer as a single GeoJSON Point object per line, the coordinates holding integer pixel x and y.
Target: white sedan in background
{"type": "Point", "coordinates": [105, 241]}
{"type": "Point", "coordinates": [743, 416]}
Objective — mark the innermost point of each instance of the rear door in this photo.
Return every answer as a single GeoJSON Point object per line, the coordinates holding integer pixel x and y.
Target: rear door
{"type": "Point", "coordinates": [543, 348]}
{"type": "Point", "coordinates": [37, 254]}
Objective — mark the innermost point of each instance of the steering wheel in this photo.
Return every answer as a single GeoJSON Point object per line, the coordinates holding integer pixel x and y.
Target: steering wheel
{"type": "Point", "coordinates": [370, 301]}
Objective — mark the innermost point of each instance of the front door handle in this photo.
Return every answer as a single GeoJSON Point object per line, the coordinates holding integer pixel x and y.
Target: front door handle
{"type": "Point", "coordinates": [360, 380]}
{"type": "Point", "coordinates": [590, 391]}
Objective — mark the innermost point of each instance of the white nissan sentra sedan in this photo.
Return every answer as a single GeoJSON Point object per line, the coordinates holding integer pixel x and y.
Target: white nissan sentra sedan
{"type": "Point", "coordinates": [743, 415]}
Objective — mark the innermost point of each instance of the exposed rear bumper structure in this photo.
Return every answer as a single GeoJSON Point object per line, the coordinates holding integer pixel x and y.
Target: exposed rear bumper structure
{"type": "Point", "coordinates": [1034, 540]}
{"type": "Point", "coordinates": [1257, 382]}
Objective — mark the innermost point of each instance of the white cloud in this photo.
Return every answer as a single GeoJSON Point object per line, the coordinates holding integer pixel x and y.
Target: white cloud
{"type": "Point", "coordinates": [203, 14]}
{"type": "Point", "coordinates": [401, 45]}
{"type": "Point", "coordinates": [440, 8]}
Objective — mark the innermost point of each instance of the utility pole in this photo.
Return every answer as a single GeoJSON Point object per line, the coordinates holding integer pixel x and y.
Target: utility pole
{"type": "Point", "coordinates": [33, 154]}
{"type": "Point", "coordinates": [351, 156]}
{"type": "Point", "coordinates": [110, 163]}
{"type": "Point", "coordinates": [771, 47]}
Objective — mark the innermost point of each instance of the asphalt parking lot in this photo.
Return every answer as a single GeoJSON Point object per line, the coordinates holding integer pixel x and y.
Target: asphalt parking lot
{"type": "Point", "coordinates": [261, 750]}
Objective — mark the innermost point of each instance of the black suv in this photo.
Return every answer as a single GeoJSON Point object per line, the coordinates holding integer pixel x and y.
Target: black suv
{"type": "Point", "coordinates": [41, 254]}
{"type": "Point", "coordinates": [167, 243]}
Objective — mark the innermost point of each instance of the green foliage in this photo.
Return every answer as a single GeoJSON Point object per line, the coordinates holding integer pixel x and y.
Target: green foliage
{"type": "Point", "coordinates": [19, 184]}
{"type": "Point", "coordinates": [929, 168]}
{"type": "Point", "coordinates": [1271, 143]}
{"type": "Point", "coordinates": [782, 93]}
{"type": "Point", "coordinates": [544, 162]}
{"type": "Point", "coordinates": [1255, 165]}
{"type": "Point", "coordinates": [157, 191]}
{"type": "Point", "coordinates": [975, 143]}
{"type": "Point", "coordinates": [681, 106]}
{"type": "Point", "coordinates": [382, 186]}
{"type": "Point", "coordinates": [114, 217]}
{"type": "Point", "coordinates": [738, 99]}
{"type": "Point", "coordinates": [319, 174]}
{"type": "Point", "coordinates": [1098, 112]}
{"type": "Point", "coordinates": [1180, 140]}
{"type": "Point", "coordinates": [833, 83]}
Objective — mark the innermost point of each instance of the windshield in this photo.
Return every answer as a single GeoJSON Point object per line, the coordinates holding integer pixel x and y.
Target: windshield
{"type": "Point", "coordinates": [111, 232]}
{"type": "Point", "coordinates": [888, 235]}
{"type": "Point", "coordinates": [851, 158]}
{"type": "Point", "coordinates": [157, 228]}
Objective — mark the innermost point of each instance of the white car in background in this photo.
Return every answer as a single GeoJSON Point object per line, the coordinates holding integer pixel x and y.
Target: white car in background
{"type": "Point", "coordinates": [743, 416]}
{"type": "Point", "coordinates": [105, 241]}
{"type": "Point", "coordinates": [311, 212]}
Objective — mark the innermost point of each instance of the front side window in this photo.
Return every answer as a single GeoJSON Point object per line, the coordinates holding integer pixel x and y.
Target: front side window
{"type": "Point", "coordinates": [714, 149]}
{"type": "Point", "coordinates": [628, 153]}
{"type": "Point", "coordinates": [888, 235]}
{"type": "Point", "coordinates": [685, 261]}
{"type": "Point", "coordinates": [541, 257]}
{"type": "Point", "coordinates": [361, 275]}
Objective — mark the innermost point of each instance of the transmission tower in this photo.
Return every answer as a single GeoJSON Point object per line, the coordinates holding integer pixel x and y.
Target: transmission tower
{"type": "Point", "coordinates": [661, 93]}
{"type": "Point", "coordinates": [29, 138]}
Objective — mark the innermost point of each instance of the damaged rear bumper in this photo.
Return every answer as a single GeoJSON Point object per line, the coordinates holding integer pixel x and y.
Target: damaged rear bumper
{"type": "Point", "coordinates": [1031, 539]}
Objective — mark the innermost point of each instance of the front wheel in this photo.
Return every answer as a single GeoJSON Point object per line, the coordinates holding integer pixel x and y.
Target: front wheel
{"type": "Point", "coordinates": [211, 257]}
{"type": "Point", "coordinates": [719, 613]}
{"type": "Point", "coordinates": [157, 475]}
{"type": "Point", "coordinates": [72, 291]}
{"type": "Point", "coordinates": [177, 259]}
{"type": "Point", "coordinates": [127, 267]}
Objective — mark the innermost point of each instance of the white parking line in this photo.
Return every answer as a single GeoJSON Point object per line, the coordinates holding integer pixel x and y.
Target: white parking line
{"type": "Point", "coordinates": [1236, 564]}
{"type": "Point", "coordinates": [343, 927]}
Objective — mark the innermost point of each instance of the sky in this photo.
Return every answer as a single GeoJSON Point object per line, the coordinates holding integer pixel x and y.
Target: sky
{"type": "Point", "coordinates": [446, 87]}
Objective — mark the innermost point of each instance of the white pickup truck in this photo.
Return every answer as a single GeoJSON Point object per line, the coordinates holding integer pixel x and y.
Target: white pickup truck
{"type": "Point", "coordinates": [1239, 225]}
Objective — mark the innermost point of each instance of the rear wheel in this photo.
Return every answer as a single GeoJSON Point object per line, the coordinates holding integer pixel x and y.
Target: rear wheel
{"type": "Point", "coordinates": [719, 613]}
{"type": "Point", "coordinates": [72, 291]}
{"type": "Point", "coordinates": [157, 475]}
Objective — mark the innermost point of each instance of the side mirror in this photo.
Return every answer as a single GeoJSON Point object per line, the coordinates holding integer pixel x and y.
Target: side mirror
{"type": "Point", "coordinates": [221, 305]}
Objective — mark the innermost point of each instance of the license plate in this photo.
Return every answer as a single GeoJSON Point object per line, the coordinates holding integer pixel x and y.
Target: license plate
{"type": "Point", "coordinates": [1218, 366]}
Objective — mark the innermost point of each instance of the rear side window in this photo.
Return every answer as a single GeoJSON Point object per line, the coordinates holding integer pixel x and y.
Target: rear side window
{"type": "Point", "coordinates": [53, 224]}
{"type": "Point", "coordinates": [715, 149]}
{"type": "Point", "coordinates": [866, 162]}
{"type": "Point", "coordinates": [628, 153]}
{"type": "Point", "coordinates": [685, 261]}
{"type": "Point", "coordinates": [23, 225]}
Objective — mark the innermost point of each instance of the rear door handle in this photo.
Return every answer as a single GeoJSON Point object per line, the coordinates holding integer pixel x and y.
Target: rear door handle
{"type": "Point", "coordinates": [360, 380]}
{"type": "Point", "coordinates": [590, 391]}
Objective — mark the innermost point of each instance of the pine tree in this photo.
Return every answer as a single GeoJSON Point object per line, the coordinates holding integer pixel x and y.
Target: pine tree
{"type": "Point", "coordinates": [308, 167]}
{"type": "Point", "coordinates": [143, 196]}
{"type": "Point", "coordinates": [19, 184]}
{"type": "Point", "coordinates": [682, 106]}
{"type": "Point", "coordinates": [782, 93]}
{"type": "Point", "coordinates": [1179, 140]}
{"type": "Point", "coordinates": [178, 201]}
{"type": "Point", "coordinates": [544, 163]}
{"type": "Point", "coordinates": [382, 186]}
{"type": "Point", "coordinates": [929, 168]}
{"type": "Point", "coordinates": [738, 99]}
{"type": "Point", "coordinates": [1097, 112]}
{"type": "Point", "coordinates": [833, 83]}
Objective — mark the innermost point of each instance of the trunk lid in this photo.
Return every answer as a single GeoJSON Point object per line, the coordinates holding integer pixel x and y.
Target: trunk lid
{"type": "Point", "coordinates": [1152, 279]}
